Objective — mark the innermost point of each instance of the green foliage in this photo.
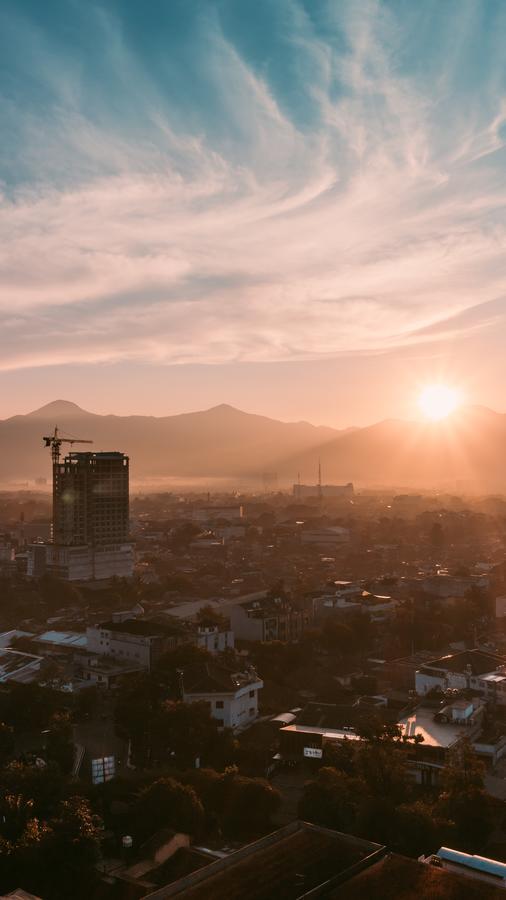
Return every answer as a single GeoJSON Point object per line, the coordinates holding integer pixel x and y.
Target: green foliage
{"type": "Point", "coordinates": [236, 804]}
{"type": "Point", "coordinates": [60, 745]}
{"type": "Point", "coordinates": [53, 859]}
{"type": "Point", "coordinates": [331, 799]}
{"type": "Point", "coordinates": [463, 800]}
{"type": "Point", "coordinates": [372, 795]}
{"type": "Point", "coordinates": [167, 804]}
{"type": "Point", "coordinates": [6, 743]}
{"type": "Point", "coordinates": [29, 707]}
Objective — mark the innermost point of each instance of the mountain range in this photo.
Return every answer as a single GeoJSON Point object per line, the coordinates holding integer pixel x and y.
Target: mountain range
{"type": "Point", "coordinates": [224, 443]}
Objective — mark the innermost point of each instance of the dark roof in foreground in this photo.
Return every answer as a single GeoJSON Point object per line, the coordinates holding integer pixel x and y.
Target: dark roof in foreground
{"type": "Point", "coordinates": [407, 879]}
{"type": "Point", "coordinates": [284, 865]}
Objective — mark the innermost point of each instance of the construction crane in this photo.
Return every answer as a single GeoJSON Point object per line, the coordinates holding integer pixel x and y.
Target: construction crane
{"type": "Point", "coordinates": [55, 441]}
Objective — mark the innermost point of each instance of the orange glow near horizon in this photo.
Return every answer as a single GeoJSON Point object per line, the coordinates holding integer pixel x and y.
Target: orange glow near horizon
{"type": "Point", "coordinates": [437, 401]}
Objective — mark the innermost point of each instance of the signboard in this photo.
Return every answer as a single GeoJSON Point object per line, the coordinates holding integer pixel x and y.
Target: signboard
{"type": "Point", "coordinates": [313, 752]}
{"type": "Point", "coordinates": [103, 769]}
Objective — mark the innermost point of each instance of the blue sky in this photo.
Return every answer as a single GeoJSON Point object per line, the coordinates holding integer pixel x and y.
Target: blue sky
{"type": "Point", "coordinates": [297, 206]}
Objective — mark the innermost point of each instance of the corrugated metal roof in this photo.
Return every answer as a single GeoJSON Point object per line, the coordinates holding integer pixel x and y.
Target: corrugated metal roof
{"type": "Point", "coordinates": [480, 863]}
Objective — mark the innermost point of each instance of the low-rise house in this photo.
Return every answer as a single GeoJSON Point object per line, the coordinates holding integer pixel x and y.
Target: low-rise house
{"type": "Point", "coordinates": [209, 513]}
{"type": "Point", "coordinates": [20, 667]}
{"type": "Point", "coordinates": [430, 732]}
{"type": "Point", "coordinates": [333, 535]}
{"type": "Point", "coordinates": [472, 670]}
{"type": "Point", "coordinates": [215, 639]}
{"type": "Point", "coordinates": [268, 619]}
{"type": "Point", "coordinates": [137, 640]}
{"type": "Point", "coordinates": [232, 696]}
{"type": "Point", "coordinates": [60, 641]}
{"type": "Point", "coordinates": [103, 671]}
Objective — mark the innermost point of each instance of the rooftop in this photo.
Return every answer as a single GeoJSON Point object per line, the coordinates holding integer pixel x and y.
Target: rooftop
{"type": "Point", "coordinates": [62, 638]}
{"type": "Point", "coordinates": [435, 734]}
{"type": "Point", "coordinates": [286, 865]}
{"type": "Point", "coordinates": [16, 665]}
{"type": "Point", "coordinates": [143, 628]}
{"type": "Point", "coordinates": [476, 662]}
{"type": "Point", "coordinates": [408, 879]}
{"type": "Point", "coordinates": [216, 679]}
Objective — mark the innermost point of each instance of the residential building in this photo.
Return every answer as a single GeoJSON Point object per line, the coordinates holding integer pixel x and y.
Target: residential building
{"type": "Point", "coordinates": [215, 639]}
{"type": "Point", "coordinates": [303, 860]}
{"type": "Point", "coordinates": [268, 619]}
{"type": "Point", "coordinates": [332, 536]}
{"type": "Point", "coordinates": [103, 671]}
{"type": "Point", "coordinates": [213, 513]}
{"type": "Point", "coordinates": [438, 727]}
{"type": "Point", "coordinates": [302, 491]}
{"type": "Point", "coordinates": [232, 696]}
{"type": "Point", "coordinates": [291, 863]}
{"type": "Point", "coordinates": [20, 667]}
{"type": "Point", "coordinates": [137, 640]}
{"type": "Point", "coordinates": [484, 673]}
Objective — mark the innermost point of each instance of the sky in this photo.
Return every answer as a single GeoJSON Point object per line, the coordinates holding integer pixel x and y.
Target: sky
{"type": "Point", "coordinates": [294, 206]}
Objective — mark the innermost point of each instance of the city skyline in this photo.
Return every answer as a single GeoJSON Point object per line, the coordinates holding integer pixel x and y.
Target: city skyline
{"type": "Point", "coordinates": [297, 210]}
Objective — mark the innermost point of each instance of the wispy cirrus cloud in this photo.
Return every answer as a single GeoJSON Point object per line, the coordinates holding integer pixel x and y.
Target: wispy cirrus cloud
{"type": "Point", "coordinates": [191, 193]}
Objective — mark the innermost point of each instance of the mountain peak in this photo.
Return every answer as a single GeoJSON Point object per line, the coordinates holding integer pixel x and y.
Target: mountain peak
{"type": "Point", "coordinates": [226, 409]}
{"type": "Point", "coordinates": [59, 409]}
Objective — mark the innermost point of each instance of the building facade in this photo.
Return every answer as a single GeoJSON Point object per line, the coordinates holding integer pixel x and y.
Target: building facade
{"type": "Point", "coordinates": [90, 520]}
{"type": "Point", "coordinates": [232, 697]}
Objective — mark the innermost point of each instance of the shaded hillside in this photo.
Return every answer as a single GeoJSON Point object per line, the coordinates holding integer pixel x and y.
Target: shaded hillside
{"type": "Point", "coordinates": [469, 446]}
{"type": "Point", "coordinates": [224, 442]}
{"type": "Point", "coordinates": [219, 442]}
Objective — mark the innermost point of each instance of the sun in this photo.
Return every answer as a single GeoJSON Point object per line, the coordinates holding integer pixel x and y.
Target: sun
{"type": "Point", "coordinates": [437, 401]}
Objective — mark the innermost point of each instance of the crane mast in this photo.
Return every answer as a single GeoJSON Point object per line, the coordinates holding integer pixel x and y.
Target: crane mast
{"type": "Point", "coordinates": [55, 441]}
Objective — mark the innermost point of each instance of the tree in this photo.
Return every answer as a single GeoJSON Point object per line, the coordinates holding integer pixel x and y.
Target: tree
{"type": "Point", "coordinates": [167, 804]}
{"type": "Point", "coordinates": [417, 828]}
{"type": "Point", "coordinates": [184, 658]}
{"type": "Point", "coordinates": [464, 800]}
{"type": "Point", "coordinates": [183, 731]}
{"type": "Point", "coordinates": [137, 704]}
{"type": "Point", "coordinates": [6, 743]}
{"type": "Point", "coordinates": [251, 805]}
{"type": "Point", "coordinates": [60, 746]}
{"type": "Point", "coordinates": [331, 799]}
{"type": "Point", "coordinates": [71, 849]}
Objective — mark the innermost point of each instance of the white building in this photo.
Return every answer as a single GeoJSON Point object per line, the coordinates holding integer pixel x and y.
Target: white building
{"type": "Point", "coordinates": [484, 673]}
{"type": "Point", "coordinates": [137, 640]}
{"type": "Point", "coordinates": [232, 696]}
{"type": "Point", "coordinates": [82, 563]}
{"type": "Point", "coordinates": [213, 639]}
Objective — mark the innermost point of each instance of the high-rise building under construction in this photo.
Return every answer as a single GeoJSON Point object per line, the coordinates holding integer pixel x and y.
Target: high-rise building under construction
{"type": "Point", "coordinates": [90, 538]}
{"type": "Point", "coordinates": [90, 499]}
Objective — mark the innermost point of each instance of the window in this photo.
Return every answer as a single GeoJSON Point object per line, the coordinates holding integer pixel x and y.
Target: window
{"type": "Point", "coordinates": [252, 693]}
{"type": "Point", "coordinates": [218, 704]}
{"type": "Point", "coordinates": [252, 710]}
